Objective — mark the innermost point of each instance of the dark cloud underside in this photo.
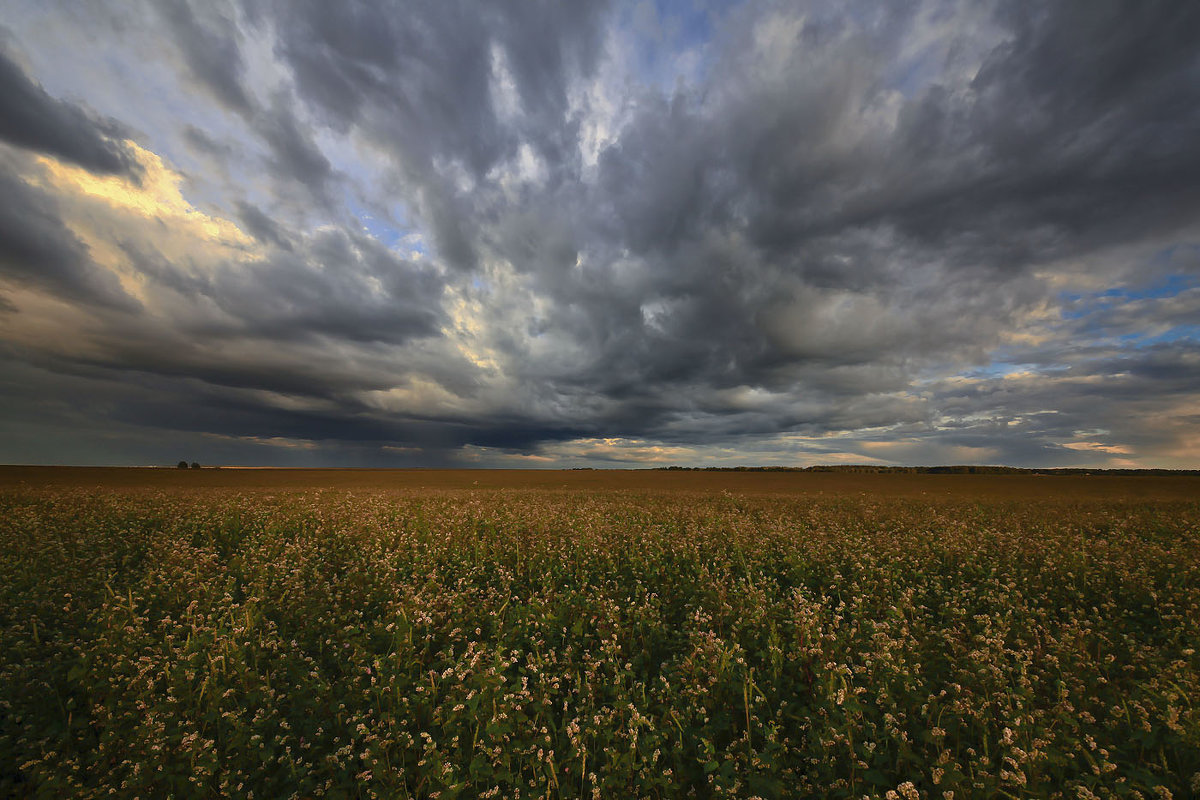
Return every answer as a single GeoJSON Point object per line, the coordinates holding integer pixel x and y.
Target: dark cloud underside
{"type": "Point", "coordinates": [32, 119]}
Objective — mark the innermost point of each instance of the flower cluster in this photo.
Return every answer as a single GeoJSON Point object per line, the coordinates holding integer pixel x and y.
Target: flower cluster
{"type": "Point", "coordinates": [485, 643]}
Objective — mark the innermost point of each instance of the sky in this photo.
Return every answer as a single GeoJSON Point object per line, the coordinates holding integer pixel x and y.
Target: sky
{"type": "Point", "coordinates": [548, 234]}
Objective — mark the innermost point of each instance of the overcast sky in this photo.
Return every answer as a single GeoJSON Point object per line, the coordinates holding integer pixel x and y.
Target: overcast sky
{"type": "Point", "coordinates": [578, 234]}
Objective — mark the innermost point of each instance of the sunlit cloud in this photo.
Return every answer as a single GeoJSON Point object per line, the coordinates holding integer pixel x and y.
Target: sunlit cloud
{"type": "Point", "coordinates": [268, 441]}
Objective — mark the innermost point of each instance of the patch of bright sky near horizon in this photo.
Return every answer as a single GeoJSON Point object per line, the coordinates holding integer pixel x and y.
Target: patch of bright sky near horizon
{"type": "Point", "coordinates": [658, 232]}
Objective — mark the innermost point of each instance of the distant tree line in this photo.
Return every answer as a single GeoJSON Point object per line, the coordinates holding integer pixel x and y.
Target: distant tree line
{"type": "Point", "coordinates": [184, 465]}
{"type": "Point", "coordinates": [961, 469]}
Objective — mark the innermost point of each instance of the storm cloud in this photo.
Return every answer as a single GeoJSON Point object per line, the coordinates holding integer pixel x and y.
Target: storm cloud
{"type": "Point", "coordinates": [30, 118]}
{"type": "Point", "coordinates": [568, 234]}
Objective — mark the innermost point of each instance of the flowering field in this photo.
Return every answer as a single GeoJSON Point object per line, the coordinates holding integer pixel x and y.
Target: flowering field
{"type": "Point", "coordinates": [603, 643]}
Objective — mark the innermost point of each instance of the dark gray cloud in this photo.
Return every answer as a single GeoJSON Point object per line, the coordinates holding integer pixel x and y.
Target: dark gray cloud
{"type": "Point", "coordinates": [342, 287]}
{"type": "Point", "coordinates": [38, 249]}
{"type": "Point", "coordinates": [209, 44]}
{"type": "Point", "coordinates": [293, 154]}
{"type": "Point", "coordinates": [431, 85]}
{"type": "Point", "coordinates": [209, 39]}
{"type": "Point", "coordinates": [32, 119]}
{"type": "Point", "coordinates": [913, 232]}
{"type": "Point", "coordinates": [261, 226]}
{"type": "Point", "coordinates": [775, 228]}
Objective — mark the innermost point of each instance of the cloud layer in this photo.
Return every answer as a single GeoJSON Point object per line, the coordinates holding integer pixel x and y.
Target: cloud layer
{"type": "Point", "coordinates": [582, 234]}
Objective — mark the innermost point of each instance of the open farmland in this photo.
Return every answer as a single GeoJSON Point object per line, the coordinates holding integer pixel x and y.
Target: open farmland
{"type": "Point", "coordinates": [598, 635]}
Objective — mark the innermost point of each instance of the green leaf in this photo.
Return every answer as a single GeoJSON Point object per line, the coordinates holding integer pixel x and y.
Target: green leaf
{"type": "Point", "coordinates": [876, 778]}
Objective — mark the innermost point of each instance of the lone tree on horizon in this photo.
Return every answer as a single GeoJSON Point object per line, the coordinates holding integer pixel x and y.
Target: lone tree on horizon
{"type": "Point", "coordinates": [181, 465]}
{"type": "Point", "coordinates": [195, 465]}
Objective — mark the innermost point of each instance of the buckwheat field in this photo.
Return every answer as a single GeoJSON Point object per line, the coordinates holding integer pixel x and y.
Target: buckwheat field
{"type": "Point", "coordinates": [596, 642]}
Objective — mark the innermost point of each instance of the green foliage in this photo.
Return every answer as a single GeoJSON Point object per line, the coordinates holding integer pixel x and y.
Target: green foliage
{"type": "Point", "coordinates": [605, 644]}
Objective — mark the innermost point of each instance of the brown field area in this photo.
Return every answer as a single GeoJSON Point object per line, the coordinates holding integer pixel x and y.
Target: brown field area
{"type": "Point", "coordinates": [1000, 487]}
{"type": "Point", "coordinates": [597, 634]}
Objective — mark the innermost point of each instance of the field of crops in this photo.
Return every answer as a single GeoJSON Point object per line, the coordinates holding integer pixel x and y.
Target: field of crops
{"type": "Point", "coordinates": [600, 643]}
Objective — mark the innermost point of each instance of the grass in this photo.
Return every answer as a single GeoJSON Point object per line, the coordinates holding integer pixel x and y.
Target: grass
{"type": "Point", "coordinates": [596, 642]}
